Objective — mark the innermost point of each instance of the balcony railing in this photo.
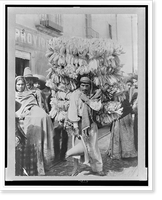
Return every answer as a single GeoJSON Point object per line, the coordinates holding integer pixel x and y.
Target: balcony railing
{"type": "Point", "coordinates": [49, 25]}
{"type": "Point", "coordinates": [52, 25]}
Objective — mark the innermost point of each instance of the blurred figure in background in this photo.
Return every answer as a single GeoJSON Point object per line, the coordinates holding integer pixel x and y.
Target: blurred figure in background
{"type": "Point", "coordinates": [134, 88]}
{"type": "Point", "coordinates": [134, 103]}
{"type": "Point", "coordinates": [59, 102]}
{"type": "Point", "coordinates": [40, 85]}
{"type": "Point", "coordinates": [129, 85]}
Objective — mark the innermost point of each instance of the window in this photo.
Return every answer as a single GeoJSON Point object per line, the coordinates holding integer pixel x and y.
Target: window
{"type": "Point", "coordinates": [110, 31]}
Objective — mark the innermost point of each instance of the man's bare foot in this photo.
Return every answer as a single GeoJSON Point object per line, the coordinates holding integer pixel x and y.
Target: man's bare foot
{"type": "Point", "coordinates": [102, 173]}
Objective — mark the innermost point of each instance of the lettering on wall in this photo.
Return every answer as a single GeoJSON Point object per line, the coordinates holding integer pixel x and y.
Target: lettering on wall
{"type": "Point", "coordinates": [31, 39]}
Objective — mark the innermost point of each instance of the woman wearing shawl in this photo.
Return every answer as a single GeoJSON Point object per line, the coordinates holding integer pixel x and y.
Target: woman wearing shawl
{"type": "Point", "coordinates": [122, 136]}
{"type": "Point", "coordinates": [38, 130]}
{"type": "Point", "coordinates": [85, 137]}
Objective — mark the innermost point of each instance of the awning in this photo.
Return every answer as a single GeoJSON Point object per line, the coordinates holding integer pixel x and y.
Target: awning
{"type": "Point", "coordinates": [22, 55]}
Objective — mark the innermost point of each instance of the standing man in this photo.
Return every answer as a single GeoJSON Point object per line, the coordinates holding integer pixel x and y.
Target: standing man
{"type": "Point", "coordinates": [60, 141]}
{"type": "Point", "coordinates": [129, 85]}
{"type": "Point", "coordinates": [134, 102]}
{"type": "Point", "coordinates": [60, 134]}
{"type": "Point", "coordinates": [134, 88]}
{"type": "Point", "coordinates": [85, 138]}
{"type": "Point", "coordinates": [40, 85]}
{"type": "Point", "coordinates": [30, 80]}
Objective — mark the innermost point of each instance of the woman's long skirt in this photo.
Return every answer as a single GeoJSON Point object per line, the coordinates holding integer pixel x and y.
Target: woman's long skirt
{"type": "Point", "coordinates": [38, 151]}
{"type": "Point", "coordinates": [122, 139]}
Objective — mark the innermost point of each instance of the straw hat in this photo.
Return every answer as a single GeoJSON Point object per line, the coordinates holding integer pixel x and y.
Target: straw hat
{"type": "Point", "coordinates": [28, 74]}
{"type": "Point", "coordinates": [40, 77]}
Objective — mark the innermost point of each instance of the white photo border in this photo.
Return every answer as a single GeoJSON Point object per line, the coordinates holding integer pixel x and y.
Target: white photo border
{"type": "Point", "coordinates": [148, 82]}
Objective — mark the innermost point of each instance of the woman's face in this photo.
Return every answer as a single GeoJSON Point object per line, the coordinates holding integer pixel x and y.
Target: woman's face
{"type": "Point", "coordinates": [20, 86]}
{"type": "Point", "coordinates": [85, 87]}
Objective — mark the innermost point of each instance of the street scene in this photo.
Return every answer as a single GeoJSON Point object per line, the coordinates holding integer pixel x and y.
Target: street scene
{"type": "Point", "coordinates": [113, 168]}
{"type": "Point", "coordinates": [76, 94]}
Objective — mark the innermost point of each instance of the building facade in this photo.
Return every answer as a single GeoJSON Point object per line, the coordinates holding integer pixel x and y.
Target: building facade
{"type": "Point", "coordinates": [89, 25]}
{"type": "Point", "coordinates": [31, 38]}
{"type": "Point", "coordinates": [33, 32]}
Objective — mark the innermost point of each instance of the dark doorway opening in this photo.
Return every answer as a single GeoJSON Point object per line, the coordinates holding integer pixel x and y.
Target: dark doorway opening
{"type": "Point", "coordinates": [20, 66]}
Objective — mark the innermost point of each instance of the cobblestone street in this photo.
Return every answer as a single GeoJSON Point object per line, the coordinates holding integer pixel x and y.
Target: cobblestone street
{"type": "Point", "coordinates": [111, 167]}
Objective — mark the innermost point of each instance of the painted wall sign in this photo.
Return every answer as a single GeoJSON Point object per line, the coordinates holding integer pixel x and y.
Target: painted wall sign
{"type": "Point", "coordinates": [32, 39]}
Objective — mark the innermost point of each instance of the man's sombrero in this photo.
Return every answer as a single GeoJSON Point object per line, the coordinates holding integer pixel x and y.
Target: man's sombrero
{"type": "Point", "coordinates": [28, 74]}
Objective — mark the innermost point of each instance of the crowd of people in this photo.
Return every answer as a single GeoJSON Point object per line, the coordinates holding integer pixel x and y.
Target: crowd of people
{"type": "Point", "coordinates": [42, 138]}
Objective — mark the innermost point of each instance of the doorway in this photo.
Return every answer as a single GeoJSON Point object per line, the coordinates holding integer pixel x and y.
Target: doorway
{"type": "Point", "coordinates": [20, 66]}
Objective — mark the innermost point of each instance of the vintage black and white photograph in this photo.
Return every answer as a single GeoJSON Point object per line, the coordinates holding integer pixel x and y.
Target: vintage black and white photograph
{"type": "Point", "coordinates": [77, 94]}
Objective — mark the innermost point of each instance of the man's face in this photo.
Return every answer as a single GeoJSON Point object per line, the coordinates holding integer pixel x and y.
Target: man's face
{"type": "Point", "coordinates": [129, 85]}
{"type": "Point", "coordinates": [29, 83]}
{"type": "Point", "coordinates": [85, 88]}
{"type": "Point", "coordinates": [135, 83]}
{"type": "Point", "coordinates": [37, 84]}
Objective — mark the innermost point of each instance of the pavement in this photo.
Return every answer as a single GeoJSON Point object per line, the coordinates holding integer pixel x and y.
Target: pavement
{"type": "Point", "coordinates": [114, 169]}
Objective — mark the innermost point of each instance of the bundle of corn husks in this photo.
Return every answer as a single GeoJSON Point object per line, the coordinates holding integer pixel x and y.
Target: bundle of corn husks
{"type": "Point", "coordinates": [73, 57]}
{"type": "Point", "coordinates": [69, 58]}
{"type": "Point", "coordinates": [110, 111]}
